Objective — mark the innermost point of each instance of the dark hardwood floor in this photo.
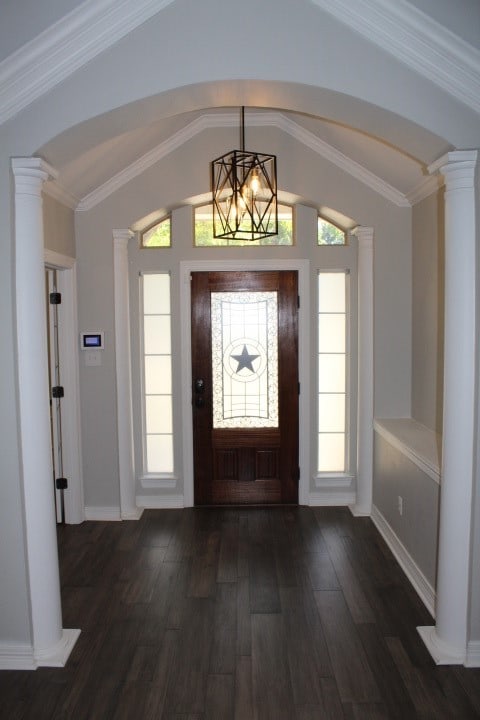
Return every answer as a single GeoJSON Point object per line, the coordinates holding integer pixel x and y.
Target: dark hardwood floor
{"type": "Point", "coordinates": [266, 613]}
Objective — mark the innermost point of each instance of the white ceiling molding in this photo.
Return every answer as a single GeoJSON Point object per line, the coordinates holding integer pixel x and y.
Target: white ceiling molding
{"type": "Point", "coordinates": [417, 40]}
{"type": "Point", "coordinates": [56, 53]}
{"type": "Point", "coordinates": [56, 191]}
{"type": "Point", "coordinates": [268, 119]}
{"type": "Point", "coordinates": [426, 187]}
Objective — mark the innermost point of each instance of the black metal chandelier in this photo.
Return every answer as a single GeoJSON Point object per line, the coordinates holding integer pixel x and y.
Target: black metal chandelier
{"type": "Point", "coordinates": [244, 189]}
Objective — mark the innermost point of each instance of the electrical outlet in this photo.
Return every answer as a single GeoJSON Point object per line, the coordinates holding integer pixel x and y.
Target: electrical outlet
{"type": "Point", "coordinates": [400, 505]}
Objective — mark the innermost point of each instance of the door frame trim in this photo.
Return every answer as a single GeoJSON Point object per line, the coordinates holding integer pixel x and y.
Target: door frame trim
{"type": "Point", "coordinates": [71, 426]}
{"type": "Point", "coordinates": [303, 269]}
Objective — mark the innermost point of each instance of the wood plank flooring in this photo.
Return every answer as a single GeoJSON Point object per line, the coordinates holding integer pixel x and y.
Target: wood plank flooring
{"type": "Point", "coordinates": [239, 614]}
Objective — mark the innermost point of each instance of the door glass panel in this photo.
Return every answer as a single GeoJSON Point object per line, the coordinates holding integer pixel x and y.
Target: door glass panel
{"type": "Point", "coordinates": [244, 359]}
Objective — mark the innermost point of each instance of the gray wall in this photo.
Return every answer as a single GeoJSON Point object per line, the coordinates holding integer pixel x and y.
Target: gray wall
{"type": "Point", "coordinates": [58, 227]}
{"type": "Point", "coordinates": [417, 528]}
{"type": "Point", "coordinates": [428, 311]}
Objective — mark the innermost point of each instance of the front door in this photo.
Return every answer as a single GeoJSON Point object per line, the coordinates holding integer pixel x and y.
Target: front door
{"type": "Point", "coordinates": [245, 387]}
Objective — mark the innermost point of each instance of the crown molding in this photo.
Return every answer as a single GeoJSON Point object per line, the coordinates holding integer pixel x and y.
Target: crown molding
{"type": "Point", "coordinates": [56, 53]}
{"type": "Point", "coordinates": [426, 187]}
{"type": "Point", "coordinates": [269, 119]}
{"type": "Point", "coordinates": [417, 40]}
{"type": "Point", "coordinates": [56, 191]}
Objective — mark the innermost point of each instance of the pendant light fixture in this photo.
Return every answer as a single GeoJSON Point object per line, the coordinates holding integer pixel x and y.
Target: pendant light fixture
{"type": "Point", "coordinates": [244, 189]}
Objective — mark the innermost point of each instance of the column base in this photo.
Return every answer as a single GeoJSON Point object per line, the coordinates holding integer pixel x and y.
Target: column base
{"type": "Point", "coordinates": [441, 652]}
{"type": "Point", "coordinates": [59, 654]}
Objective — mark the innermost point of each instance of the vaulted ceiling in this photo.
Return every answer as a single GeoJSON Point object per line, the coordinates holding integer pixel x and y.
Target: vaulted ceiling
{"type": "Point", "coordinates": [87, 175]}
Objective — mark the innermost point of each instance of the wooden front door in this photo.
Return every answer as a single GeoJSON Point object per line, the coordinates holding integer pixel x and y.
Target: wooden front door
{"type": "Point", "coordinates": [245, 387]}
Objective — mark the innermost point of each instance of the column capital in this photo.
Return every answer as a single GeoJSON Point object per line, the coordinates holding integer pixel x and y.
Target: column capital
{"type": "Point", "coordinates": [364, 236]}
{"type": "Point", "coordinates": [121, 237]}
{"type": "Point", "coordinates": [34, 169]}
{"type": "Point", "coordinates": [458, 167]}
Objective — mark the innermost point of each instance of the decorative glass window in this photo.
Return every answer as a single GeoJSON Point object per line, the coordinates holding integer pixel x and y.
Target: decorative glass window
{"type": "Point", "coordinates": [159, 235]}
{"type": "Point", "coordinates": [244, 359]}
{"type": "Point", "coordinates": [332, 371]}
{"type": "Point", "coordinates": [157, 350]}
{"type": "Point", "coordinates": [204, 230]}
{"type": "Point", "coordinates": [329, 234]}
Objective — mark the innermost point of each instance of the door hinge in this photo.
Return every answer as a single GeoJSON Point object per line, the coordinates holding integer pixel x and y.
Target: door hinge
{"type": "Point", "coordinates": [61, 484]}
{"type": "Point", "coordinates": [55, 298]}
{"type": "Point", "coordinates": [298, 302]}
{"type": "Point", "coordinates": [58, 391]}
{"type": "Point", "coordinates": [298, 474]}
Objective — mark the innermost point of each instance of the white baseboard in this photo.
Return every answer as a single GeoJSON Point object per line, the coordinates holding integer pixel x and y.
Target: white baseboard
{"type": "Point", "coordinates": [102, 513]}
{"type": "Point", "coordinates": [17, 657]}
{"type": "Point", "coordinates": [58, 655]}
{"type": "Point", "coordinates": [160, 502]}
{"type": "Point", "coordinates": [329, 498]}
{"type": "Point", "coordinates": [420, 583]}
{"type": "Point", "coordinates": [21, 656]}
{"type": "Point", "coordinates": [441, 652]}
{"type": "Point", "coordinates": [135, 514]}
{"type": "Point", "coordinates": [473, 654]}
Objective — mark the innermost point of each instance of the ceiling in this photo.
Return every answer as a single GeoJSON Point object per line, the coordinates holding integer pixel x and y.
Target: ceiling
{"type": "Point", "coordinates": [88, 174]}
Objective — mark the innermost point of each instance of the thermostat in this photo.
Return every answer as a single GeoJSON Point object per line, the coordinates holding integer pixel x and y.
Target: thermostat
{"type": "Point", "coordinates": [92, 340]}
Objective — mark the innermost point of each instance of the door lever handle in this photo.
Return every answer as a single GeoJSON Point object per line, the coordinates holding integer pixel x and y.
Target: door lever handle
{"type": "Point", "coordinates": [199, 385]}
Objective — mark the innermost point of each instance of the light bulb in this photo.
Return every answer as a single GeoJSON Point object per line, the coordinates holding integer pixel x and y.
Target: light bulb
{"type": "Point", "coordinates": [255, 183]}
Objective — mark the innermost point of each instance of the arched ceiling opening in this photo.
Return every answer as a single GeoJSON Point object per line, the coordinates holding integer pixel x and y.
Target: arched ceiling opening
{"type": "Point", "coordinates": [381, 147]}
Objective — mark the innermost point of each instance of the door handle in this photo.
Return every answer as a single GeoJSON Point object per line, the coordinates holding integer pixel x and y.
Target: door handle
{"type": "Point", "coordinates": [199, 401]}
{"type": "Point", "coordinates": [199, 385]}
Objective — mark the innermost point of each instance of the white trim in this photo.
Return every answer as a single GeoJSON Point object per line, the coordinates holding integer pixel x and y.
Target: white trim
{"type": "Point", "coordinates": [61, 194]}
{"type": "Point", "coordinates": [123, 373]}
{"type": "Point", "coordinates": [365, 384]}
{"type": "Point", "coordinates": [57, 260]}
{"type": "Point", "coordinates": [303, 269]}
{"type": "Point", "coordinates": [334, 480]}
{"type": "Point", "coordinates": [71, 422]}
{"type": "Point", "coordinates": [44, 62]}
{"type": "Point", "coordinates": [329, 498]}
{"type": "Point", "coordinates": [102, 513]}
{"type": "Point", "coordinates": [58, 655]}
{"type": "Point", "coordinates": [160, 502]}
{"type": "Point", "coordinates": [473, 654]}
{"type": "Point", "coordinates": [441, 652]}
{"type": "Point", "coordinates": [417, 40]}
{"type": "Point", "coordinates": [270, 119]}
{"type": "Point", "coordinates": [17, 656]}
{"type": "Point", "coordinates": [399, 28]}
{"type": "Point", "coordinates": [422, 586]}
{"type": "Point", "coordinates": [422, 453]}
{"type": "Point", "coordinates": [424, 189]}
{"type": "Point", "coordinates": [159, 483]}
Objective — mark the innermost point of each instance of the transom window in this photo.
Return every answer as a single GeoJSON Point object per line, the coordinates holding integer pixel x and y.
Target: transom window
{"type": "Point", "coordinates": [158, 235]}
{"type": "Point", "coordinates": [204, 230]}
{"type": "Point", "coordinates": [329, 234]}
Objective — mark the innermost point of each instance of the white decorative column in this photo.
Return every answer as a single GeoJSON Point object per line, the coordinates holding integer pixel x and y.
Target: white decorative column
{"type": "Point", "coordinates": [128, 508]}
{"type": "Point", "coordinates": [447, 640]}
{"type": "Point", "coordinates": [363, 505]}
{"type": "Point", "coordinates": [51, 644]}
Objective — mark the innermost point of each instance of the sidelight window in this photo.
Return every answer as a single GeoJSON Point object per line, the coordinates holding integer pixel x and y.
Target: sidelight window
{"type": "Point", "coordinates": [332, 371]}
{"type": "Point", "coordinates": [157, 354]}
